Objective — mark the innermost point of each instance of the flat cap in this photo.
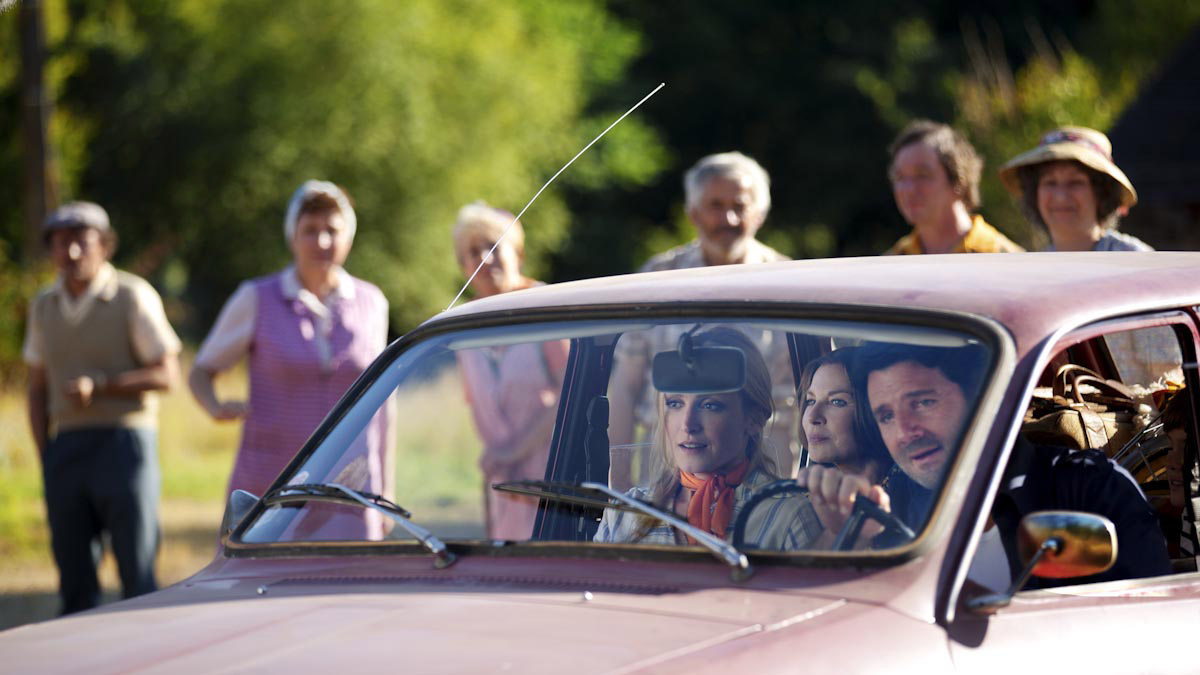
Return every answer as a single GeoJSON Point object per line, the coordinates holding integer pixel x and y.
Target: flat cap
{"type": "Point", "coordinates": [76, 214]}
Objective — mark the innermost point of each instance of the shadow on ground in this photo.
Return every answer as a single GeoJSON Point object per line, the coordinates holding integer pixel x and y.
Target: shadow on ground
{"type": "Point", "coordinates": [185, 551]}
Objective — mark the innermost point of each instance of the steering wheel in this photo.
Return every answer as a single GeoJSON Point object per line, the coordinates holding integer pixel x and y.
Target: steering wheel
{"type": "Point", "coordinates": [865, 508]}
{"type": "Point", "coordinates": [767, 491]}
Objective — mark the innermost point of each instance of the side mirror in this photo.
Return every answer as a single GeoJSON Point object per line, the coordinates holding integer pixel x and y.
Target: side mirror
{"type": "Point", "coordinates": [238, 505]}
{"type": "Point", "coordinates": [699, 370]}
{"type": "Point", "coordinates": [1088, 543]}
{"type": "Point", "coordinates": [1056, 545]}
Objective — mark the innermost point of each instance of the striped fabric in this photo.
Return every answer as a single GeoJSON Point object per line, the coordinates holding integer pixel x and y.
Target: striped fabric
{"type": "Point", "coordinates": [783, 523]}
{"type": "Point", "coordinates": [290, 392]}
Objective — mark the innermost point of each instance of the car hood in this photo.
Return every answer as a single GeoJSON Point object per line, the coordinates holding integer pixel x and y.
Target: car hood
{"type": "Point", "coordinates": [422, 623]}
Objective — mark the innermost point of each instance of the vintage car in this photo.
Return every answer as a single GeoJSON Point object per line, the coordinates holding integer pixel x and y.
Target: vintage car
{"type": "Point", "coordinates": [454, 570]}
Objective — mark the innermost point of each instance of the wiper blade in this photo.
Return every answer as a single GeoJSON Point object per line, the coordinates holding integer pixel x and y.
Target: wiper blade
{"type": "Point", "coordinates": [337, 493]}
{"type": "Point", "coordinates": [600, 495]}
{"type": "Point", "coordinates": [566, 492]}
{"type": "Point", "coordinates": [331, 492]}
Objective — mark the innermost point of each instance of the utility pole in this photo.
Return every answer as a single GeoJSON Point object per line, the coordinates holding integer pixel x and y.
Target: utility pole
{"type": "Point", "coordinates": [40, 191]}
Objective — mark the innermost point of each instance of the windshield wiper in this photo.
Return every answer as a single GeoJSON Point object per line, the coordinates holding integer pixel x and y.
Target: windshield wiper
{"type": "Point", "coordinates": [337, 493]}
{"type": "Point", "coordinates": [602, 496]}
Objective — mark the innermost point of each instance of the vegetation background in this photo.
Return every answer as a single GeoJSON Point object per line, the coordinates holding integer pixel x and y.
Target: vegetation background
{"type": "Point", "coordinates": [192, 121]}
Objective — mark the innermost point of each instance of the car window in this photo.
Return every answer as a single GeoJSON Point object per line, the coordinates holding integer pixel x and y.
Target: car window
{"type": "Point", "coordinates": [1147, 357]}
{"type": "Point", "coordinates": [486, 426]}
{"type": "Point", "coordinates": [1123, 393]}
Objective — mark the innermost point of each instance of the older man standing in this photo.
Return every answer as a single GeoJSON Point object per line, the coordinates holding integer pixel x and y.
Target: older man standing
{"type": "Point", "coordinates": [935, 180]}
{"type": "Point", "coordinates": [97, 345]}
{"type": "Point", "coordinates": [728, 196]}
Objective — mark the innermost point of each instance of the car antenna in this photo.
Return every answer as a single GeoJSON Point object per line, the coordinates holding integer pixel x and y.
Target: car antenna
{"type": "Point", "coordinates": [539, 192]}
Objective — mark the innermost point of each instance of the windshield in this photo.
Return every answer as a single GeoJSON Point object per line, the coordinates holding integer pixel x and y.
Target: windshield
{"type": "Point", "coordinates": [523, 432]}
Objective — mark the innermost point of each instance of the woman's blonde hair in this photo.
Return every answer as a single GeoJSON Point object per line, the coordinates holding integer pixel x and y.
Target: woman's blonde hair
{"type": "Point", "coordinates": [756, 402]}
{"type": "Point", "coordinates": [478, 219]}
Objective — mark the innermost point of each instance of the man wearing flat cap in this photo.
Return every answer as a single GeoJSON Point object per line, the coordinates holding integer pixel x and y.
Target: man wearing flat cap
{"type": "Point", "coordinates": [98, 345]}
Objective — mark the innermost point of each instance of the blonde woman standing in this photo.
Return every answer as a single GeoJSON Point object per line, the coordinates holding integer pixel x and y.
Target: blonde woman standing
{"type": "Point", "coordinates": [513, 391]}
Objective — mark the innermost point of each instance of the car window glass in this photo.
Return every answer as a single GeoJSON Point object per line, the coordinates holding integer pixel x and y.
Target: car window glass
{"type": "Point", "coordinates": [572, 402]}
{"type": "Point", "coordinates": [1122, 395]}
{"type": "Point", "coordinates": [1146, 356]}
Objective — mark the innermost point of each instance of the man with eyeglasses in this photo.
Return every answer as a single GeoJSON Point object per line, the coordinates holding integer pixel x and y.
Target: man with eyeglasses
{"type": "Point", "coordinates": [934, 173]}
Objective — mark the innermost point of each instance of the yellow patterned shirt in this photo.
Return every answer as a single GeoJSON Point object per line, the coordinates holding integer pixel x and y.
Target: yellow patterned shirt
{"type": "Point", "coordinates": [981, 238]}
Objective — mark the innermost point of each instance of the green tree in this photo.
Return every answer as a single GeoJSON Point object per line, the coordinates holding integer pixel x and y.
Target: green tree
{"type": "Point", "coordinates": [1006, 109]}
{"type": "Point", "coordinates": [192, 122]}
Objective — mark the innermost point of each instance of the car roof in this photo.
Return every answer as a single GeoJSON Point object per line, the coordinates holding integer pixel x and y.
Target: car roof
{"type": "Point", "coordinates": [1031, 294]}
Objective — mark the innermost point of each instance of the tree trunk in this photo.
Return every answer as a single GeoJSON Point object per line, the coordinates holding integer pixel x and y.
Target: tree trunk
{"type": "Point", "coordinates": [40, 190]}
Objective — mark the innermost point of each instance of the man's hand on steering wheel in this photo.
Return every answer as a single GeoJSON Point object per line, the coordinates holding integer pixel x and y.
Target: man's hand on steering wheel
{"type": "Point", "coordinates": [833, 493]}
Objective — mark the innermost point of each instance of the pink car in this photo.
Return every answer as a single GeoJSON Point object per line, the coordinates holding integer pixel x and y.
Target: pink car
{"type": "Point", "coordinates": [636, 509]}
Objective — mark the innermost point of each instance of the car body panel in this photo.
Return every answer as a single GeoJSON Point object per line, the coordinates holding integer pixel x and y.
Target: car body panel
{"type": "Point", "coordinates": [1011, 289]}
{"type": "Point", "coordinates": [554, 606]}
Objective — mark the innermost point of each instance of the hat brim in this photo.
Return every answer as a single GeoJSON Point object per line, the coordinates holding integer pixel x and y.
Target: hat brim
{"type": "Point", "coordinates": [1066, 151]}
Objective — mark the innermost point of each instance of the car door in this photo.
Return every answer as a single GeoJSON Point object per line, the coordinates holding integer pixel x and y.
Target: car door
{"type": "Point", "coordinates": [1131, 625]}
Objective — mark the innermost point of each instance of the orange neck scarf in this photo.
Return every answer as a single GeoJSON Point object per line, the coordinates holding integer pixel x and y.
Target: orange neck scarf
{"type": "Point", "coordinates": [711, 506]}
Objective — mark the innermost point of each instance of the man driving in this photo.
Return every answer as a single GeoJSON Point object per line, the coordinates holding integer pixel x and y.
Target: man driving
{"type": "Point", "coordinates": [919, 398]}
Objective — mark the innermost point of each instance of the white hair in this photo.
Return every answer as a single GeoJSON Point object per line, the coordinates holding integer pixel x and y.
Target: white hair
{"type": "Point", "coordinates": [733, 165]}
{"type": "Point", "coordinates": [480, 219]}
{"type": "Point", "coordinates": [315, 187]}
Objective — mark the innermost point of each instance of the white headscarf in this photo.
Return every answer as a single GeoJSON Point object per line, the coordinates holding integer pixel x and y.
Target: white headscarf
{"type": "Point", "coordinates": [314, 187]}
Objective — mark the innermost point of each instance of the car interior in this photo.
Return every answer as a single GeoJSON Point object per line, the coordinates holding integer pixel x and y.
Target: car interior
{"type": "Point", "coordinates": [1109, 392]}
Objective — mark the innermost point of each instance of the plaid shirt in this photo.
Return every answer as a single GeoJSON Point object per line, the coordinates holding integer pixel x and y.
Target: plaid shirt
{"type": "Point", "coordinates": [783, 523]}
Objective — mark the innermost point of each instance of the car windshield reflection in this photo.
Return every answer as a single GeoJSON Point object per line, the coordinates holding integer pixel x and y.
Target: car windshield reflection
{"type": "Point", "coordinates": [672, 432]}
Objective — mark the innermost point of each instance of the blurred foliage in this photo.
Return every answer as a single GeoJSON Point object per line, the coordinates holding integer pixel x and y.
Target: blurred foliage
{"type": "Point", "coordinates": [1005, 113]}
{"type": "Point", "coordinates": [816, 92]}
{"type": "Point", "coordinates": [193, 121]}
{"type": "Point", "coordinates": [17, 287]}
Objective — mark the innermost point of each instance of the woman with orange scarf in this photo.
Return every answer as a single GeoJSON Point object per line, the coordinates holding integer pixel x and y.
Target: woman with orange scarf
{"type": "Point", "coordinates": [711, 460]}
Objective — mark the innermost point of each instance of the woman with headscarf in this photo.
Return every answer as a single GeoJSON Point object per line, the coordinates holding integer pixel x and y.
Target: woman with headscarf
{"type": "Point", "coordinates": [1069, 186]}
{"type": "Point", "coordinates": [711, 458]}
{"type": "Point", "coordinates": [307, 331]}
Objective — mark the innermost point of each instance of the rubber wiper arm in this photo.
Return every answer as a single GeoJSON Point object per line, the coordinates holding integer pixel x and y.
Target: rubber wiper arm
{"type": "Point", "coordinates": [339, 493]}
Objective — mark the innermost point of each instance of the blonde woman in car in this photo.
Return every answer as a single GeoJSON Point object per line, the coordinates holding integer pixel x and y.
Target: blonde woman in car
{"type": "Point", "coordinates": [710, 459]}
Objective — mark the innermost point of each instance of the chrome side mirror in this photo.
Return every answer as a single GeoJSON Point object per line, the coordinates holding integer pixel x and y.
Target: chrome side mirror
{"type": "Point", "coordinates": [1056, 545]}
{"type": "Point", "coordinates": [1088, 544]}
{"type": "Point", "coordinates": [236, 507]}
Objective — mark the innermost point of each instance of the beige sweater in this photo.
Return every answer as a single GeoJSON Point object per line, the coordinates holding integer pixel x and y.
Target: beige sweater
{"type": "Point", "coordinates": [98, 345]}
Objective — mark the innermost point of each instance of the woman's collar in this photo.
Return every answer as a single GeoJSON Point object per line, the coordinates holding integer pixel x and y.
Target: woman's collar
{"type": "Point", "coordinates": [344, 290]}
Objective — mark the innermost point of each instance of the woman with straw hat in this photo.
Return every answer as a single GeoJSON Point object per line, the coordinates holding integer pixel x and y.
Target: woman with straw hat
{"type": "Point", "coordinates": [1070, 186]}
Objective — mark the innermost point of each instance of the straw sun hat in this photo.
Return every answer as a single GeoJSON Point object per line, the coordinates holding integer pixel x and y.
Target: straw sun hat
{"type": "Point", "coordinates": [1086, 146]}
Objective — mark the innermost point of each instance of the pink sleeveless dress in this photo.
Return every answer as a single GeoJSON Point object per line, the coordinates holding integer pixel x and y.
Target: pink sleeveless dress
{"type": "Point", "coordinates": [291, 391]}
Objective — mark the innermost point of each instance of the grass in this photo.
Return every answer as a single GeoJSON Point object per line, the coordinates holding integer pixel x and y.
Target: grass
{"type": "Point", "coordinates": [195, 454]}
{"type": "Point", "coordinates": [436, 477]}
{"type": "Point", "coordinates": [437, 452]}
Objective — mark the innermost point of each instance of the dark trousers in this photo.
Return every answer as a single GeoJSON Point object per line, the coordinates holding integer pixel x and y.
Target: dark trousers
{"type": "Point", "coordinates": [102, 480]}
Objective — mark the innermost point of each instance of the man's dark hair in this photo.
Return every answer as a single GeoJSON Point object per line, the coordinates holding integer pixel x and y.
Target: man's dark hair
{"type": "Point", "coordinates": [963, 166]}
{"type": "Point", "coordinates": [964, 366]}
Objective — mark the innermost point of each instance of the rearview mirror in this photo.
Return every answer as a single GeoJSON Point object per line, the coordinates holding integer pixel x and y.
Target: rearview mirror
{"type": "Point", "coordinates": [705, 370]}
